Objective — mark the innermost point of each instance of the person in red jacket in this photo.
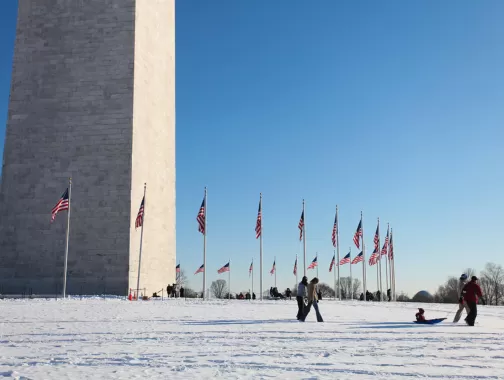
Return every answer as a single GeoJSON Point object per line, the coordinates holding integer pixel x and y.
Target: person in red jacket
{"type": "Point", "coordinates": [470, 293]}
{"type": "Point", "coordinates": [420, 317]}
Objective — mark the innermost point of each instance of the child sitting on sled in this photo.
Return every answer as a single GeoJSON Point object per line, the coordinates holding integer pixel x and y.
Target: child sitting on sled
{"type": "Point", "coordinates": [420, 315]}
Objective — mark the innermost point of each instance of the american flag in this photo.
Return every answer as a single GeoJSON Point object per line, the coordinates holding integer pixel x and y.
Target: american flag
{"type": "Point", "coordinates": [358, 234]}
{"type": "Point", "coordinates": [377, 238]}
{"type": "Point", "coordinates": [259, 221]}
{"type": "Point", "coordinates": [333, 261]}
{"type": "Point", "coordinates": [301, 226]}
{"type": "Point", "coordinates": [251, 268]}
{"type": "Point", "coordinates": [345, 260]}
{"type": "Point", "coordinates": [335, 230]}
{"type": "Point", "coordinates": [177, 268]}
{"type": "Point", "coordinates": [201, 217]}
{"type": "Point", "coordinates": [391, 249]}
{"type": "Point", "coordinates": [272, 271]}
{"type": "Point", "coordinates": [225, 268]}
{"type": "Point", "coordinates": [295, 267]}
{"type": "Point", "coordinates": [373, 259]}
{"type": "Point", "coordinates": [62, 205]}
{"type": "Point", "coordinates": [358, 258]}
{"type": "Point", "coordinates": [201, 269]}
{"type": "Point", "coordinates": [385, 244]}
{"type": "Point", "coordinates": [140, 216]}
{"type": "Point", "coordinates": [313, 263]}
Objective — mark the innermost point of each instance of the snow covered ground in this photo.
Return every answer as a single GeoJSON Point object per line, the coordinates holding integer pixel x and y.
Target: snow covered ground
{"type": "Point", "coordinates": [177, 339]}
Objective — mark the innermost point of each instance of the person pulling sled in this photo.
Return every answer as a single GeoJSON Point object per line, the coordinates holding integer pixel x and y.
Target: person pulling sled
{"type": "Point", "coordinates": [462, 304]}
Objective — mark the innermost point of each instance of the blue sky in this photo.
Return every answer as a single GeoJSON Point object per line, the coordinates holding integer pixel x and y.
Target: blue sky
{"type": "Point", "coordinates": [393, 108]}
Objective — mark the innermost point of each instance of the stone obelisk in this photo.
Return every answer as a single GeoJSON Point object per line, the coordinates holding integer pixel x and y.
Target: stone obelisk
{"type": "Point", "coordinates": [92, 98]}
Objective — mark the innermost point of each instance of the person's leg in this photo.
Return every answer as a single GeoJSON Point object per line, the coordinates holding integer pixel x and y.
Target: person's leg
{"type": "Point", "coordinates": [306, 311]}
{"type": "Point", "coordinates": [459, 312]}
{"type": "Point", "coordinates": [317, 311]}
{"type": "Point", "coordinates": [472, 313]}
{"type": "Point", "coordinates": [300, 307]}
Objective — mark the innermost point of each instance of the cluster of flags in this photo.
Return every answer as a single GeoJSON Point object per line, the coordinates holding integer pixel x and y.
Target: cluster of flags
{"type": "Point", "coordinates": [374, 259]}
{"type": "Point", "coordinates": [386, 250]}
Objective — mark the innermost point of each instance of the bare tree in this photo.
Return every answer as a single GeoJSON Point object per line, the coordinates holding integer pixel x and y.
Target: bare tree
{"type": "Point", "coordinates": [219, 288]}
{"type": "Point", "coordinates": [349, 288]}
{"type": "Point", "coordinates": [181, 278]}
{"type": "Point", "coordinates": [447, 293]}
{"type": "Point", "coordinates": [326, 290]}
{"type": "Point", "coordinates": [492, 281]}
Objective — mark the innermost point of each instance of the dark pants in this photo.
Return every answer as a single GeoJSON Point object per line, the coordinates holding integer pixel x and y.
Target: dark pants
{"type": "Point", "coordinates": [307, 311]}
{"type": "Point", "coordinates": [473, 312]}
{"type": "Point", "coordinates": [300, 303]}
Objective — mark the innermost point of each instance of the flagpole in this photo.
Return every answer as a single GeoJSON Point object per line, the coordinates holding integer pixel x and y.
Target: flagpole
{"type": "Point", "coordinates": [386, 263]}
{"type": "Point", "coordinates": [67, 238]}
{"type": "Point", "coordinates": [229, 277]}
{"type": "Point", "coordinates": [275, 270]}
{"type": "Point", "coordinates": [261, 252]}
{"type": "Point", "coordinates": [351, 280]}
{"type": "Point", "coordinates": [363, 260]}
{"type": "Point", "coordinates": [379, 262]}
{"type": "Point", "coordinates": [252, 278]}
{"type": "Point", "coordinates": [334, 276]}
{"type": "Point", "coordinates": [316, 256]}
{"type": "Point", "coordinates": [297, 282]}
{"type": "Point", "coordinates": [392, 263]}
{"type": "Point", "coordinates": [204, 247]}
{"type": "Point", "coordinates": [141, 240]}
{"type": "Point", "coordinates": [304, 240]}
{"type": "Point", "coordinates": [338, 253]}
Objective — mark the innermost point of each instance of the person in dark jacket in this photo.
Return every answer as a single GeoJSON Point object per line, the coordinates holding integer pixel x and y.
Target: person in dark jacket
{"type": "Point", "coordinates": [302, 292]}
{"type": "Point", "coordinates": [470, 293]}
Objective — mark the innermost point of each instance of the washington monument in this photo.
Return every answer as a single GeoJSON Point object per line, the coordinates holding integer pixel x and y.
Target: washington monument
{"type": "Point", "coordinates": [93, 99]}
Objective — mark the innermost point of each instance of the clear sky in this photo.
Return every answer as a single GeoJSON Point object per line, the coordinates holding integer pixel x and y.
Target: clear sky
{"type": "Point", "coordinates": [393, 108]}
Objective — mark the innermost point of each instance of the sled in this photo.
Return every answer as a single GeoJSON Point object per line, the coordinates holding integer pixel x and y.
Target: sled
{"type": "Point", "coordinates": [430, 321]}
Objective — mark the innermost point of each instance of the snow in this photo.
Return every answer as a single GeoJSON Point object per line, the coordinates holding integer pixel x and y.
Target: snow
{"type": "Point", "coordinates": [177, 339]}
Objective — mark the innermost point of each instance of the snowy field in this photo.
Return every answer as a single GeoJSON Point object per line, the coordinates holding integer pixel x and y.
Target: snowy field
{"type": "Point", "coordinates": [177, 339]}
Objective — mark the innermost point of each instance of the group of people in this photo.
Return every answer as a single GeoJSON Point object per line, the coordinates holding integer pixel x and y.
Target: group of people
{"type": "Point", "coordinates": [308, 291]}
{"type": "Point", "coordinates": [469, 294]}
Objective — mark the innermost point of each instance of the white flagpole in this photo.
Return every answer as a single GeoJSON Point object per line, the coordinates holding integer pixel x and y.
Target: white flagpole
{"type": "Point", "coordinates": [392, 263]}
{"type": "Point", "coordinates": [275, 270]}
{"type": "Point", "coordinates": [297, 282]}
{"type": "Point", "coordinates": [363, 261]}
{"type": "Point", "coordinates": [204, 247]}
{"type": "Point", "coordinates": [351, 280]}
{"type": "Point", "coordinates": [261, 252]}
{"type": "Point", "coordinates": [304, 240]}
{"type": "Point", "coordinates": [387, 264]}
{"type": "Point", "coordinates": [379, 262]}
{"type": "Point", "coordinates": [338, 253]}
{"type": "Point", "coordinates": [229, 277]}
{"type": "Point", "coordinates": [252, 273]}
{"type": "Point", "coordinates": [334, 276]}
{"type": "Point", "coordinates": [67, 238]}
{"type": "Point", "coordinates": [141, 240]}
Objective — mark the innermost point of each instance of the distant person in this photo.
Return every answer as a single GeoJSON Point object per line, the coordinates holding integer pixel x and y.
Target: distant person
{"type": "Point", "coordinates": [288, 293]}
{"type": "Point", "coordinates": [420, 317]}
{"type": "Point", "coordinates": [462, 304]}
{"type": "Point", "coordinates": [182, 292]}
{"type": "Point", "coordinates": [388, 295]}
{"type": "Point", "coordinates": [378, 295]}
{"type": "Point", "coordinates": [470, 293]}
{"type": "Point", "coordinates": [301, 295]}
{"type": "Point", "coordinates": [253, 296]}
{"type": "Point", "coordinates": [312, 300]}
{"type": "Point", "coordinates": [247, 296]}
